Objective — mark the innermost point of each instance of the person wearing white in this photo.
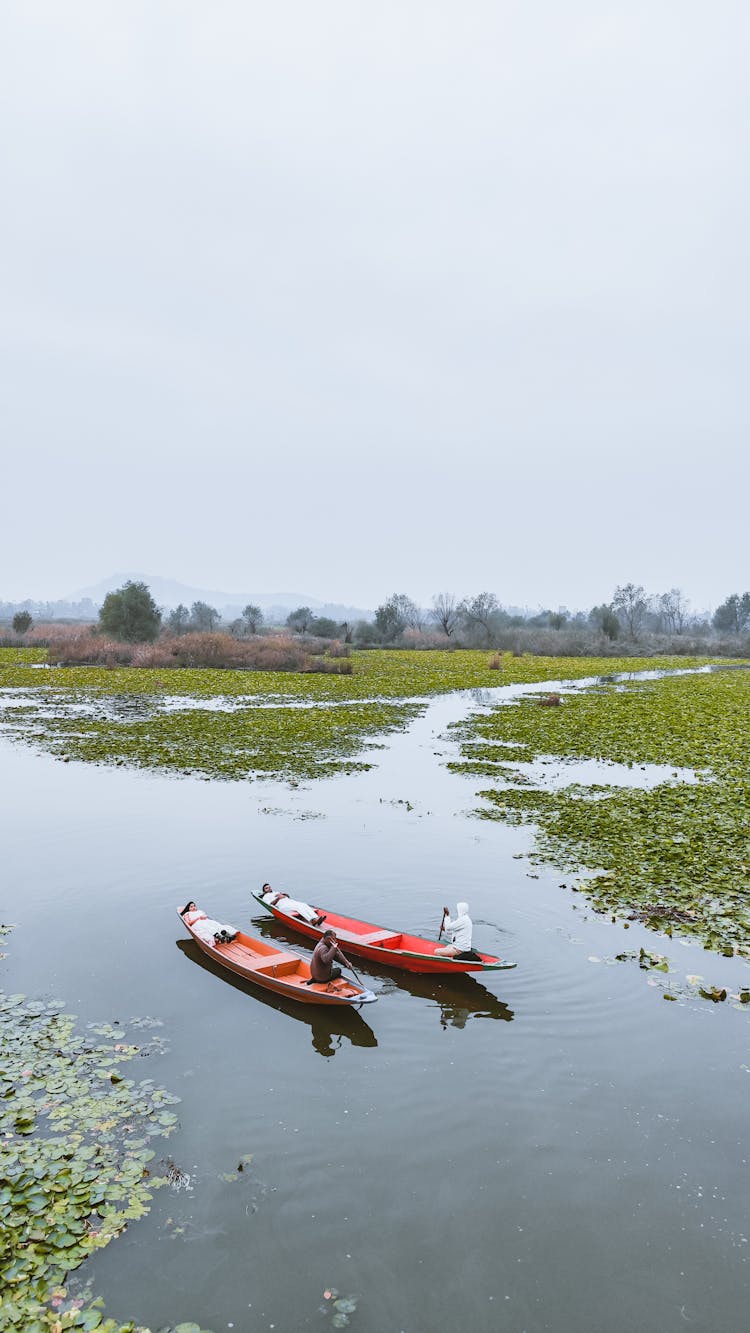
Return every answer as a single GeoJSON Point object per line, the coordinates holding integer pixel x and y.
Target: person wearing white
{"type": "Point", "coordinates": [205, 927]}
{"type": "Point", "coordinates": [291, 905]}
{"type": "Point", "coordinates": [458, 930]}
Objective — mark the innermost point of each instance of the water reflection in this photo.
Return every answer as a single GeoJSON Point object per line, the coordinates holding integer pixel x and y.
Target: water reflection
{"type": "Point", "coordinates": [329, 1026]}
{"type": "Point", "coordinates": [458, 998]}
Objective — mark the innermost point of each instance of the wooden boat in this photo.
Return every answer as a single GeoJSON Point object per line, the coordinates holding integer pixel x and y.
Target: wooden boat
{"type": "Point", "coordinates": [280, 970]}
{"type": "Point", "coordinates": [411, 953]}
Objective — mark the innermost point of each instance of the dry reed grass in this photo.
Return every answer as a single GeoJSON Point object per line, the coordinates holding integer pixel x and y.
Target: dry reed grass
{"type": "Point", "coordinates": [84, 646]}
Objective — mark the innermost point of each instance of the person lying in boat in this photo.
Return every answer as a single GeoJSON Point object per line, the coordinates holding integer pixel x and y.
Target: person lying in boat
{"type": "Point", "coordinates": [460, 935]}
{"type": "Point", "coordinates": [212, 932]}
{"type": "Point", "coordinates": [292, 905]}
{"type": "Point", "coordinates": [322, 966]}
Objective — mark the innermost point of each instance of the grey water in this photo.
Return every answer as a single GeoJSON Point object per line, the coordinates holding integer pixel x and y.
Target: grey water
{"type": "Point", "coordinates": [548, 1148]}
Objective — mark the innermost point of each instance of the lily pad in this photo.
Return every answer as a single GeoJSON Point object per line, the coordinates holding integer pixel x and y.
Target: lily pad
{"type": "Point", "coordinates": [74, 1160]}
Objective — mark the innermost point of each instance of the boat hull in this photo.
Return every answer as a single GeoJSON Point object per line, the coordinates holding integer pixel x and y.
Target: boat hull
{"type": "Point", "coordinates": [408, 953]}
{"type": "Point", "coordinates": [280, 971]}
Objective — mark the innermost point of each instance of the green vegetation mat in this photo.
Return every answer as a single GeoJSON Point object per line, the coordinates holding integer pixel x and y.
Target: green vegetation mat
{"type": "Point", "coordinates": [244, 742]}
{"type": "Point", "coordinates": [22, 656]}
{"type": "Point", "coordinates": [258, 726]}
{"type": "Point", "coordinates": [75, 1138]}
{"type": "Point", "coordinates": [396, 674]}
{"type": "Point", "coordinates": [677, 855]}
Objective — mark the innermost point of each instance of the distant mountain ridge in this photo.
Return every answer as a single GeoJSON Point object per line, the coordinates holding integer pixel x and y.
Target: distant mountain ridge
{"type": "Point", "coordinates": [169, 593]}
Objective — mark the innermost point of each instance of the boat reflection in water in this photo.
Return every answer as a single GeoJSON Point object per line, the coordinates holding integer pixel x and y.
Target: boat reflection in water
{"type": "Point", "coordinates": [329, 1027]}
{"type": "Point", "coordinates": [458, 998]}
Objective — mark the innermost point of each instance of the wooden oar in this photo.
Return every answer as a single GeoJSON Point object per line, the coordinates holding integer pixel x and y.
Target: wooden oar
{"type": "Point", "coordinates": [442, 922]}
{"type": "Point", "coordinates": [359, 979]}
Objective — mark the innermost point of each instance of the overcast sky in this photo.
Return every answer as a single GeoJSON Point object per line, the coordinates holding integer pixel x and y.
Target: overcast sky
{"type": "Point", "coordinates": [359, 298]}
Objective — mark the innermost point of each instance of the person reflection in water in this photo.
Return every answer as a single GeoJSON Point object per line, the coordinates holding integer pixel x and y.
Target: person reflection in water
{"type": "Point", "coordinates": [460, 932]}
{"type": "Point", "coordinates": [451, 1015]}
{"type": "Point", "coordinates": [329, 1033]}
{"type": "Point", "coordinates": [322, 1041]}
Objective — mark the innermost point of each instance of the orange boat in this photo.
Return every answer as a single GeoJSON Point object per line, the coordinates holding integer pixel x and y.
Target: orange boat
{"type": "Point", "coordinates": [411, 953]}
{"type": "Point", "coordinates": [280, 971]}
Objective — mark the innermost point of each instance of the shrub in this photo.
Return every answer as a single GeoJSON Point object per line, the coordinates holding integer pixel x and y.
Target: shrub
{"type": "Point", "coordinates": [79, 646]}
{"type": "Point", "coordinates": [421, 638]}
{"type": "Point", "coordinates": [340, 667]}
{"type": "Point", "coordinates": [84, 646]}
{"type": "Point", "coordinates": [365, 634]}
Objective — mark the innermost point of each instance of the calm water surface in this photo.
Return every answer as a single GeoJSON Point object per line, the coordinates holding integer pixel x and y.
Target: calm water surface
{"type": "Point", "coordinates": [552, 1148]}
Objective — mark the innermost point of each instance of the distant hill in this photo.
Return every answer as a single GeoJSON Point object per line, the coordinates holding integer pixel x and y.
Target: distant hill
{"type": "Point", "coordinates": [169, 593]}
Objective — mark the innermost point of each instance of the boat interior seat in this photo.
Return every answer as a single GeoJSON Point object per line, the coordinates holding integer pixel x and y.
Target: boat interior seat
{"type": "Point", "coordinates": [374, 937]}
{"type": "Point", "coordinates": [280, 965]}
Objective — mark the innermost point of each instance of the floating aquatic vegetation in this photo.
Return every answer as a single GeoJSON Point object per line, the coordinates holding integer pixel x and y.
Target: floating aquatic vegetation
{"type": "Point", "coordinates": [657, 961]}
{"type": "Point", "coordinates": [22, 656]}
{"type": "Point", "coordinates": [4, 932]}
{"type": "Point", "coordinates": [676, 856]}
{"type": "Point", "coordinates": [124, 716]}
{"type": "Point", "coordinates": [714, 993]}
{"type": "Point", "coordinates": [339, 1307]}
{"type": "Point", "coordinates": [674, 990]}
{"type": "Point", "coordinates": [377, 674]}
{"type": "Point", "coordinates": [75, 1148]}
{"type": "Point", "coordinates": [252, 741]}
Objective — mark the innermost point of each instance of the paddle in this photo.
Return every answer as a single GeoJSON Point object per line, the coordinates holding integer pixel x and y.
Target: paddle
{"type": "Point", "coordinates": [351, 969]}
{"type": "Point", "coordinates": [442, 922]}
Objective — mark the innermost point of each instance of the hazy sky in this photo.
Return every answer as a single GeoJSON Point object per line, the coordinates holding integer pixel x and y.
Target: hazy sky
{"type": "Point", "coordinates": [352, 298]}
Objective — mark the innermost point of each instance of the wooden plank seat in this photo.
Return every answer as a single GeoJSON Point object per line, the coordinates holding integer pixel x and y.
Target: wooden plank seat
{"type": "Point", "coordinates": [280, 965]}
{"type": "Point", "coordinates": [374, 937]}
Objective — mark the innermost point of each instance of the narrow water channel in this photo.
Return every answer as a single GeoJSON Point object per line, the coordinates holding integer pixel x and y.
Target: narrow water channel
{"type": "Point", "coordinates": [554, 1148]}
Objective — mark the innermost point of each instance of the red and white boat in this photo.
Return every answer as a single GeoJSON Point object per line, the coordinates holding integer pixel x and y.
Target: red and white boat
{"type": "Point", "coordinates": [410, 953]}
{"type": "Point", "coordinates": [280, 970]}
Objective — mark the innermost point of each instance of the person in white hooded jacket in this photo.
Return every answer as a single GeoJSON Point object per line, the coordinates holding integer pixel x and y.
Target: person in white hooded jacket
{"type": "Point", "coordinates": [458, 930]}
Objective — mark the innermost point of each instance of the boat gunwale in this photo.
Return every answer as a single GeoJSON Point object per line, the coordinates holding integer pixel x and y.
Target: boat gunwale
{"type": "Point", "coordinates": [268, 957]}
{"type": "Point", "coordinates": [432, 964]}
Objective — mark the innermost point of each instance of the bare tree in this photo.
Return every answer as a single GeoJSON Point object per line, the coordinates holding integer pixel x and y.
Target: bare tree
{"type": "Point", "coordinates": [444, 612]}
{"type": "Point", "coordinates": [408, 610]}
{"type": "Point", "coordinates": [477, 612]}
{"type": "Point", "coordinates": [630, 605]}
{"type": "Point", "coordinates": [253, 618]}
{"type": "Point", "coordinates": [673, 609]}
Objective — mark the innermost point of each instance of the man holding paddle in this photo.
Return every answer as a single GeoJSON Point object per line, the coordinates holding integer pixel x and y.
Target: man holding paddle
{"type": "Point", "coordinates": [460, 932]}
{"type": "Point", "coordinates": [322, 967]}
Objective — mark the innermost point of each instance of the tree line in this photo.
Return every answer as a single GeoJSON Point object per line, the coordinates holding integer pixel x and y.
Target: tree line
{"type": "Point", "coordinates": [480, 620]}
{"type": "Point", "coordinates": [130, 614]}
